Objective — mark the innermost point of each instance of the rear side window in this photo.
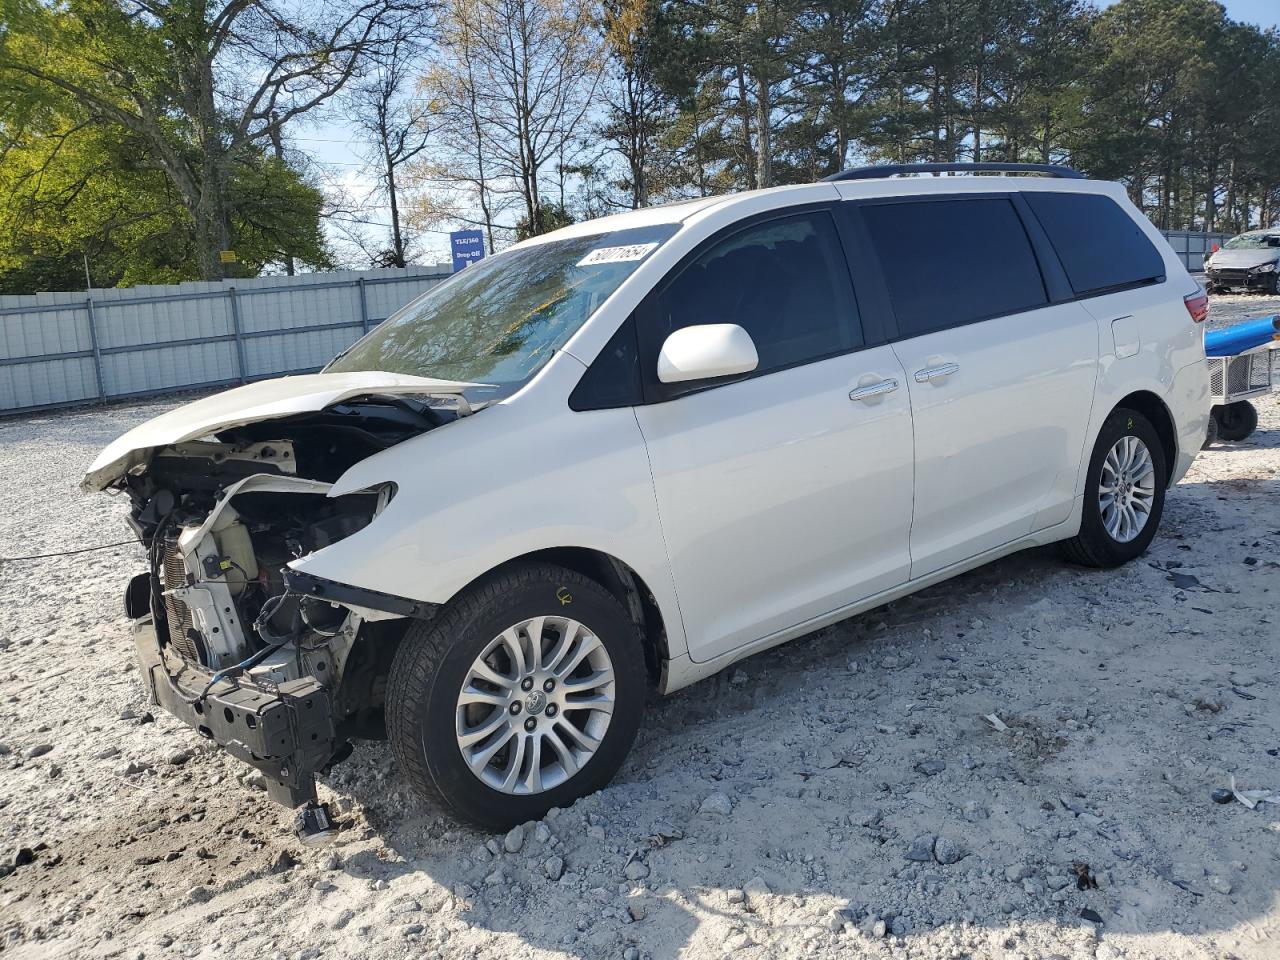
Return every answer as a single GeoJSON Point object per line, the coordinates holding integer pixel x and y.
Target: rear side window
{"type": "Point", "coordinates": [952, 262]}
{"type": "Point", "coordinates": [1100, 246]}
{"type": "Point", "coordinates": [786, 282]}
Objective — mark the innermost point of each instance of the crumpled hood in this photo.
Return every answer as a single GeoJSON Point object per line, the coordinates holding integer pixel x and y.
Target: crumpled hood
{"type": "Point", "coordinates": [265, 400]}
{"type": "Point", "coordinates": [1242, 259]}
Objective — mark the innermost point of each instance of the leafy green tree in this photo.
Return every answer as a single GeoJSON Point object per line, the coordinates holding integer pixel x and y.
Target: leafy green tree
{"type": "Point", "coordinates": [81, 198]}
{"type": "Point", "coordinates": [552, 216]}
{"type": "Point", "coordinates": [205, 86]}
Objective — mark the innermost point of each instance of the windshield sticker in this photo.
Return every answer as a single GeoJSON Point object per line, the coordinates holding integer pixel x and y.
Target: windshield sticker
{"type": "Point", "coordinates": [634, 251]}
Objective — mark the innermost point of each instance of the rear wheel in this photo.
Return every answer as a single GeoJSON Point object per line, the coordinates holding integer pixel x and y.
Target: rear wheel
{"type": "Point", "coordinates": [1124, 493]}
{"type": "Point", "coordinates": [1236, 421]}
{"type": "Point", "coordinates": [524, 694]}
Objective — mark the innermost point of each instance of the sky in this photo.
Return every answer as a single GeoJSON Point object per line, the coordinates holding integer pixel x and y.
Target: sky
{"type": "Point", "coordinates": [333, 149]}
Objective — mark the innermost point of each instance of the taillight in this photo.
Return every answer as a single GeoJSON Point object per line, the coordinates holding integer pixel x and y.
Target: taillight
{"type": "Point", "coordinates": [1197, 305]}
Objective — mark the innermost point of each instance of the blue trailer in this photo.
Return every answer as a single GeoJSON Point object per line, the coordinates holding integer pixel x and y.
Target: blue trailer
{"type": "Point", "coordinates": [1244, 362]}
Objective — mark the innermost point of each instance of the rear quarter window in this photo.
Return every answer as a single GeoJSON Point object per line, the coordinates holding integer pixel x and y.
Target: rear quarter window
{"type": "Point", "coordinates": [1101, 247]}
{"type": "Point", "coordinates": [952, 262]}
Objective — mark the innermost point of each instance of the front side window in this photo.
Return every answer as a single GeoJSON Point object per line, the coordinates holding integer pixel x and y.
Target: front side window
{"type": "Point", "coordinates": [952, 262]}
{"type": "Point", "coordinates": [498, 321]}
{"type": "Point", "coordinates": [784, 281]}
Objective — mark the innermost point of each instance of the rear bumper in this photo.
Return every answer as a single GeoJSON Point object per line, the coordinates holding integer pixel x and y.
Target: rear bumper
{"type": "Point", "coordinates": [1189, 402]}
{"type": "Point", "coordinates": [286, 731]}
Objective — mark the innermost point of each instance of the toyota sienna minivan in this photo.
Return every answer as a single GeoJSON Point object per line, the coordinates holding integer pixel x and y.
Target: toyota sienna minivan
{"type": "Point", "coordinates": [629, 453]}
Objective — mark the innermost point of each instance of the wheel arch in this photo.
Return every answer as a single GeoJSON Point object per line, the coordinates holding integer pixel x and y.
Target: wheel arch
{"type": "Point", "coordinates": [1157, 411]}
{"type": "Point", "coordinates": [623, 582]}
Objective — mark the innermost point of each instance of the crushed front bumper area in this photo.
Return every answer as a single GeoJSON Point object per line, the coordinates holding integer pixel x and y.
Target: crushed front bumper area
{"type": "Point", "coordinates": [1245, 280]}
{"type": "Point", "coordinates": [287, 731]}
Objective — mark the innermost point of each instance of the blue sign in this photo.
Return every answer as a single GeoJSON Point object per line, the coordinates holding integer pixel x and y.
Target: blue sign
{"type": "Point", "coordinates": [467, 247]}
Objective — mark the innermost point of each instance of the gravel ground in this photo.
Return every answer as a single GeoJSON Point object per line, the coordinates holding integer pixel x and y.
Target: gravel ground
{"type": "Point", "coordinates": [841, 796]}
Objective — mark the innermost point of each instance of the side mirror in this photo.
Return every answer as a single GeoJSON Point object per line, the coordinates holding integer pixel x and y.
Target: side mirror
{"type": "Point", "coordinates": [705, 351]}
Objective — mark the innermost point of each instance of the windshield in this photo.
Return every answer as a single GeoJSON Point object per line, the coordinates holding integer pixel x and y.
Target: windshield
{"type": "Point", "coordinates": [499, 320]}
{"type": "Point", "coordinates": [1253, 241]}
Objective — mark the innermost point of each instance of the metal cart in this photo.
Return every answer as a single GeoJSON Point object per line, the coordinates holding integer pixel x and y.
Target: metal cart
{"type": "Point", "coordinates": [1233, 382]}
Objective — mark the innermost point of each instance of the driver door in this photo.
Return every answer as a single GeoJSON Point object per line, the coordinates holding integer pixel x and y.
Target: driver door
{"type": "Point", "coordinates": [786, 493]}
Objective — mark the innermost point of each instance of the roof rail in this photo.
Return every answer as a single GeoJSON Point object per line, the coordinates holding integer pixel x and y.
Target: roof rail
{"type": "Point", "coordinates": [897, 169]}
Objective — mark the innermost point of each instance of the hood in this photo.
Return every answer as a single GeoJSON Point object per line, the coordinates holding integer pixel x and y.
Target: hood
{"type": "Point", "coordinates": [1242, 259]}
{"type": "Point", "coordinates": [254, 402]}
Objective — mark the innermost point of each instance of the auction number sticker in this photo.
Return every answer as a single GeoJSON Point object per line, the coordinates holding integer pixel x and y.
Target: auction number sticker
{"type": "Point", "coordinates": [634, 251]}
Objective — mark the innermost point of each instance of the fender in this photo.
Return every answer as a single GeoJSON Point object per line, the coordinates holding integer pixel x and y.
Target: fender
{"type": "Point", "coordinates": [460, 509]}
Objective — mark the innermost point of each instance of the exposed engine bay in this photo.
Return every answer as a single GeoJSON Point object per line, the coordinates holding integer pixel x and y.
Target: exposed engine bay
{"type": "Point", "coordinates": [242, 652]}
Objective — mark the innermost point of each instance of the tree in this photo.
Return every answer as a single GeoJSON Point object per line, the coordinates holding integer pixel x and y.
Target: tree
{"type": "Point", "coordinates": [79, 197]}
{"type": "Point", "coordinates": [831, 60]}
{"type": "Point", "coordinates": [394, 119]}
{"type": "Point", "coordinates": [633, 98]}
{"type": "Point", "coordinates": [1148, 53]}
{"type": "Point", "coordinates": [738, 51]}
{"type": "Point", "coordinates": [554, 216]}
{"type": "Point", "coordinates": [203, 86]}
{"type": "Point", "coordinates": [532, 69]}
{"type": "Point", "coordinates": [460, 160]}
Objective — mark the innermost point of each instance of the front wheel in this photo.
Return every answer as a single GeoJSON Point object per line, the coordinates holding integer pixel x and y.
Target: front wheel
{"type": "Point", "coordinates": [1124, 493]}
{"type": "Point", "coordinates": [524, 694]}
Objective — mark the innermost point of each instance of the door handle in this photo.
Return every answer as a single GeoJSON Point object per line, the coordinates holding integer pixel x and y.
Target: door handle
{"type": "Point", "coordinates": [936, 373]}
{"type": "Point", "coordinates": [872, 390]}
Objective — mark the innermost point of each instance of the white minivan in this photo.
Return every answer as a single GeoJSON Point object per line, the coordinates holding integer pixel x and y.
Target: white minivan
{"type": "Point", "coordinates": [629, 453]}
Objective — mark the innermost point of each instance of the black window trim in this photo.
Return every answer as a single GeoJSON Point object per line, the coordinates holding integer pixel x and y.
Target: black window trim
{"type": "Point", "coordinates": [871, 274]}
{"type": "Point", "coordinates": [1073, 297]}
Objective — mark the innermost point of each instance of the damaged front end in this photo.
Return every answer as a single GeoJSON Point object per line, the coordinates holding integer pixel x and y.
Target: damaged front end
{"type": "Point", "coordinates": [278, 667]}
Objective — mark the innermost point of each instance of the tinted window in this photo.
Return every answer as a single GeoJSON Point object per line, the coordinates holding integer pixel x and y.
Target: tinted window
{"type": "Point", "coordinates": [950, 262]}
{"type": "Point", "coordinates": [613, 379]}
{"type": "Point", "coordinates": [1100, 246]}
{"type": "Point", "coordinates": [784, 281]}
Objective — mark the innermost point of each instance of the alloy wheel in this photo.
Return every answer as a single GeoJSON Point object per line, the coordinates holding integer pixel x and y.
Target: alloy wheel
{"type": "Point", "coordinates": [1127, 488]}
{"type": "Point", "coordinates": [535, 705]}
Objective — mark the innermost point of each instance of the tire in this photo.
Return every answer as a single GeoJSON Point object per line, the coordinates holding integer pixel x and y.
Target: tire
{"type": "Point", "coordinates": [1236, 421]}
{"type": "Point", "coordinates": [437, 658]}
{"type": "Point", "coordinates": [1095, 545]}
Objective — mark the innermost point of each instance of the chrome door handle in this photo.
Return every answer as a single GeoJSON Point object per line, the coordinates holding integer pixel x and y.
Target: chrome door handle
{"type": "Point", "coordinates": [936, 373]}
{"type": "Point", "coordinates": [872, 390]}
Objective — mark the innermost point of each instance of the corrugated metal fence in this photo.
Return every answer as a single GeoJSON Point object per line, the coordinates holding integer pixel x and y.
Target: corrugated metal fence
{"type": "Point", "coordinates": [1192, 247]}
{"type": "Point", "coordinates": [60, 349]}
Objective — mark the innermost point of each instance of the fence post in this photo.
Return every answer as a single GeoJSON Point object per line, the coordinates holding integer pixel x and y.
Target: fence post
{"type": "Point", "coordinates": [235, 323]}
{"type": "Point", "coordinates": [364, 306]}
{"type": "Point", "coordinates": [97, 353]}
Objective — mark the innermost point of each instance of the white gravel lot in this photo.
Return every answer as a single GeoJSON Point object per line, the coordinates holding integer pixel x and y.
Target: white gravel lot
{"type": "Point", "coordinates": [773, 811]}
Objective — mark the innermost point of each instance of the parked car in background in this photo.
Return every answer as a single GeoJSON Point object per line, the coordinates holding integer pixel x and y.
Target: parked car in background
{"type": "Point", "coordinates": [1250, 261]}
{"type": "Point", "coordinates": [629, 453]}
